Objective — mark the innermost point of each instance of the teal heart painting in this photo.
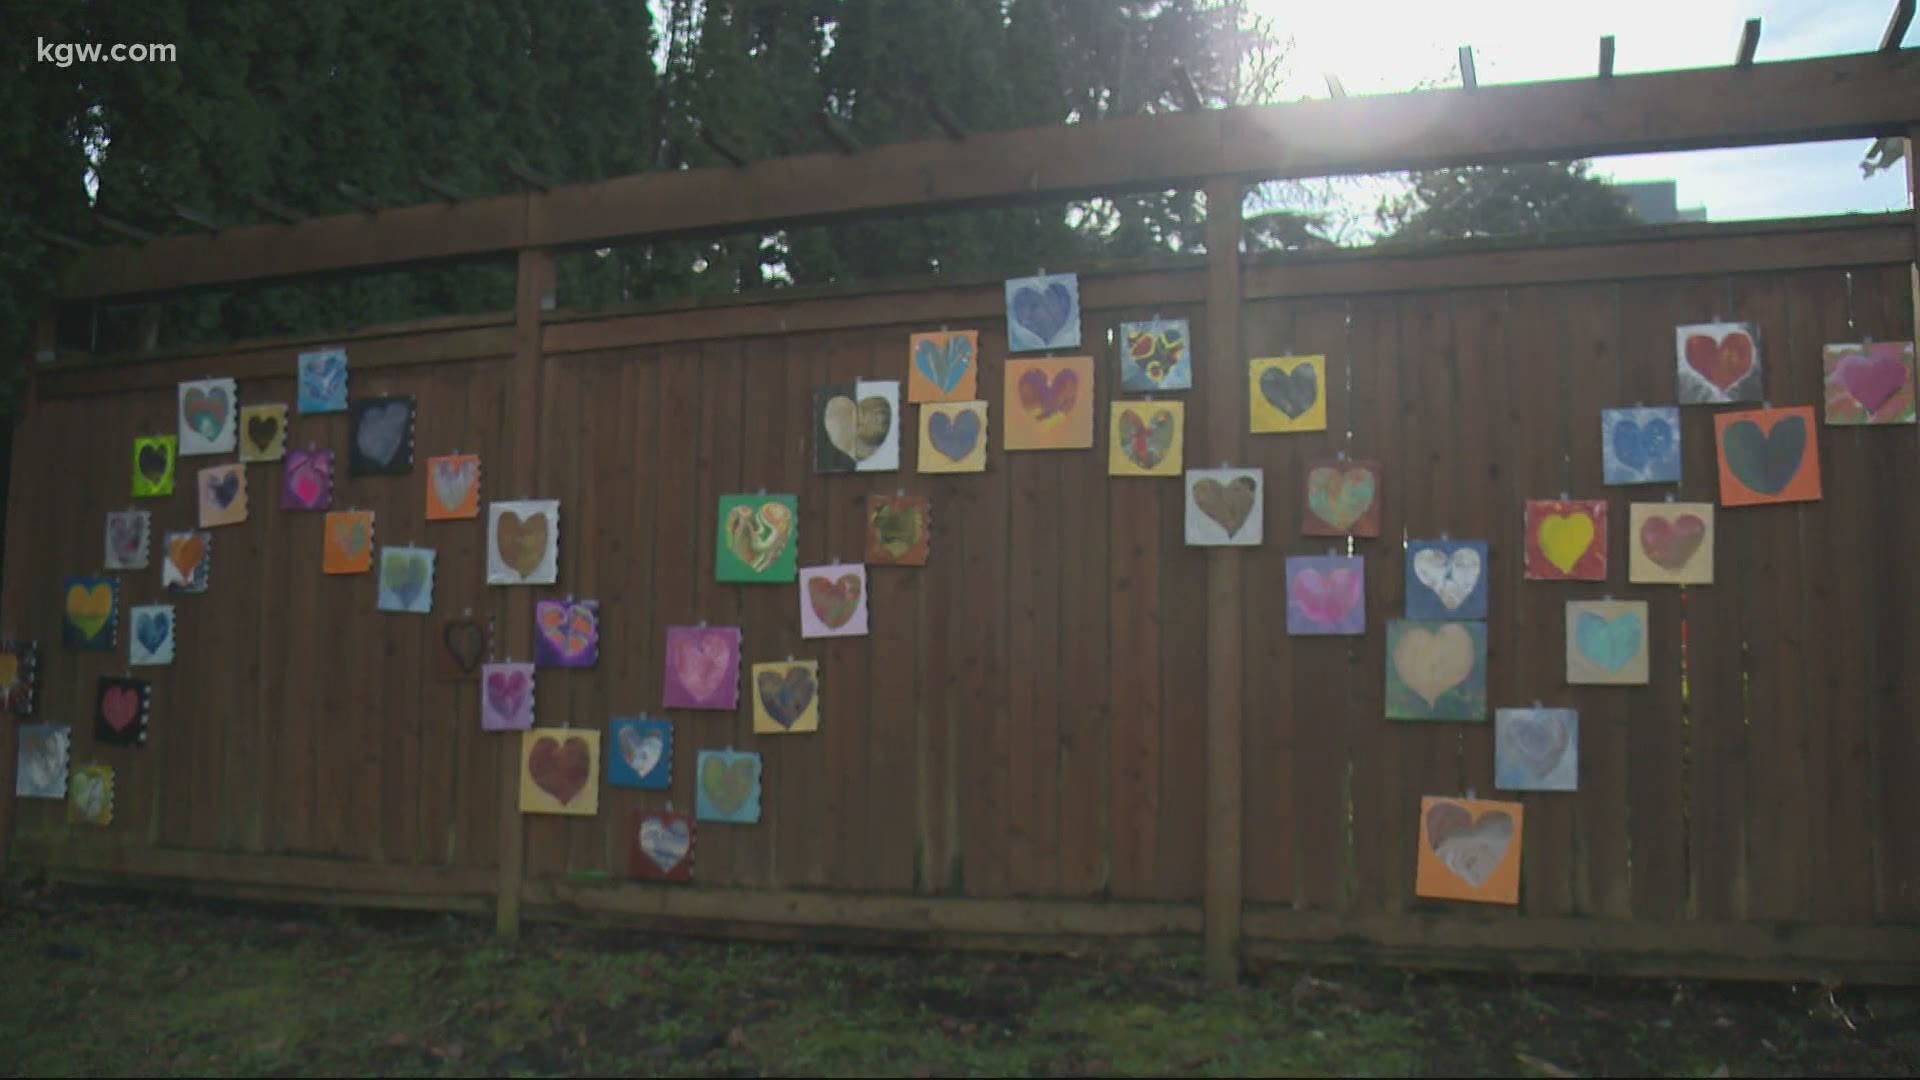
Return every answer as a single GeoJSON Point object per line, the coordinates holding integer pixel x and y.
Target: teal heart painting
{"type": "Point", "coordinates": [406, 580]}
{"type": "Point", "coordinates": [1607, 642]}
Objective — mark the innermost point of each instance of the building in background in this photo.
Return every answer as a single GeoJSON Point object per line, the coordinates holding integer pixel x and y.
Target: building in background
{"type": "Point", "coordinates": [1657, 202]}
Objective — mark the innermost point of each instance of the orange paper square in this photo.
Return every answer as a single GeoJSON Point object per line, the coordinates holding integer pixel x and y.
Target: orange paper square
{"type": "Point", "coordinates": [1758, 462]}
{"type": "Point", "coordinates": [943, 365]}
{"type": "Point", "coordinates": [1049, 404]}
{"type": "Point", "coordinates": [349, 542]}
{"type": "Point", "coordinates": [453, 487]}
{"type": "Point", "coordinates": [1469, 849]}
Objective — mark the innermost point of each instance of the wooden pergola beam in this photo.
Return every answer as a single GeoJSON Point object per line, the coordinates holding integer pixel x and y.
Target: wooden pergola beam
{"type": "Point", "coordinates": [1184, 87]}
{"type": "Point", "coordinates": [837, 133]}
{"type": "Point", "coordinates": [1469, 77]}
{"type": "Point", "coordinates": [1897, 26]}
{"type": "Point", "coordinates": [718, 143]}
{"type": "Point", "coordinates": [273, 209]}
{"type": "Point", "coordinates": [527, 176]}
{"type": "Point", "coordinates": [196, 217]}
{"type": "Point", "coordinates": [1749, 44]}
{"type": "Point", "coordinates": [1606, 57]}
{"type": "Point", "coordinates": [358, 197]}
{"type": "Point", "coordinates": [439, 187]}
{"type": "Point", "coordinates": [125, 228]}
{"type": "Point", "coordinates": [1863, 96]}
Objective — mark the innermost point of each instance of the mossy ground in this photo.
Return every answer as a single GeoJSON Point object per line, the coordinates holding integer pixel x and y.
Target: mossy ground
{"type": "Point", "coordinates": [103, 984]}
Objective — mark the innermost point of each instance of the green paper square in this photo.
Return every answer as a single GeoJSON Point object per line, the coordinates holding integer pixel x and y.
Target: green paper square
{"type": "Point", "coordinates": [143, 486]}
{"type": "Point", "coordinates": [750, 529]}
{"type": "Point", "coordinates": [1464, 698]}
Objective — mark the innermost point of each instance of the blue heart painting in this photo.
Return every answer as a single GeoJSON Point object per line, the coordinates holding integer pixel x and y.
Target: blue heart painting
{"type": "Point", "coordinates": [1607, 641]}
{"type": "Point", "coordinates": [153, 628]}
{"type": "Point", "coordinates": [644, 754]}
{"type": "Point", "coordinates": [1043, 312]}
{"type": "Point", "coordinates": [954, 435]}
{"type": "Point", "coordinates": [323, 381]}
{"type": "Point", "coordinates": [1640, 445]}
{"type": "Point", "coordinates": [944, 363]}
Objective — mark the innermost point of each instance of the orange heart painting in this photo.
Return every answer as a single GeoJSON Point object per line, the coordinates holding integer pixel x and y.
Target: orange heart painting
{"type": "Point", "coordinates": [1049, 404]}
{"type": "Point", "coordinates": [1469, 849]}
{"type": "Point", "coordinates": [453, 487]}
{"type": "Point", "coordinates": [349, 543]}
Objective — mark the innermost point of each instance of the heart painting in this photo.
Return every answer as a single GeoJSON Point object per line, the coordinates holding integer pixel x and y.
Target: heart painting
{"type": "Point", "coordinates": [223, 495]}
{"type": "Point", "coordinates": [899, 529]}
{"type": "Point", "coordinates": [1469, 850]}
{"type": "Point", "coordinates": [558, 766]}
{"type": "Point", "coordinates": [1870, 382]}
{"type": "Point", "coordinates": [506, 697]}
{"type": "Point", "coordinates": [756, 538]}
{"type": "Point", "coordinates": [150, 641]}
{"type": "Point", "coordinates": [833, 601]}
{"type": "Point", "coordinates": [1718, 362]}
{"type": "Point", "coordinates": [643, 753]}
{"type": "Point", "coordinates": [153, 464]}
{"type": "Point", "coordinates": [523, 542]}
{"type": "Point", "coordinates": [1768, 456]}
{"type": "Point", "coordinates": [1566, 540]}
{"type": "Point", "coordinates": [1287, 394]}
{"type": "Point", "coordinates": [188, 561]}
{"type": "Point", "coordinates": [1446, 579]}
{"type": "Point", "coordinates": [453, 487]}
{"type": "Point", "coordinates": [348, 542]}
{"type": "Point", "coordinates": [463, 645]}
{"type": "Point", "coordinates": [91, 608]}
{"type": "Point", "coordinates": [19, 676]}
{"type": "Point", "coordinates": [120, 712]}
{"type": "Point", "coordinates": [406, 580]}
{"type": "Point", "coordinates": [1225, 507]}
{"type": "Point", "coordinates": [942, 366]}
{"type": "Point", "coordinates": [1049, 404]}
{"type": "Point", "coordinates": [566, 633]}
{"type": "Point", "coordinates": [728, 787]}
{"type": "Point", "coordinates": [1148, 438]}
{"type": "Point", "coordinates": [382, 437]}
{"type": "Point", "coordinates": [40, 766]}
{"type": "Point", "coordinates": [1607, 642]}
{"type": "Point", "coordinates": [1436, 670]}
{"type": "Point", "coordinates": [1640, 445]}
{"type": "Point", "coordinates": [1156, 356]}
{"type": "Point", "coordinates": [323, 381]}
{"type": "Point", "coordinates": [1536, 749]}
{"type": "Point", "coordinates": [703, 667]}
{"type": "Point", "coordinates": [663, 843]}
{"type": "Point", "coordinates": [1326, 594]}
{"type": "Point", "coordinates": [263, 432]}
{"type": "Point", "coordinates": [857, 427]}
{"type": "Point", "coordinates": [129, 539]}
{"type": "Point", "coordinates": [1670, 543]}
{"type": "Point", "coordinates": [953, 437]}
{"type": "Point", "coordinates": [1043, 312]}
{"type": "Point", "coordinates": [1343, 499]}
{"type": "Point", "coordinates": [786, 697]}
{"type": "Point", "coordinates": [207, 411]}
{"type": "Point", "coordinates": [90, 795]}
{"type": "Point", "coordinates": [306, 481]}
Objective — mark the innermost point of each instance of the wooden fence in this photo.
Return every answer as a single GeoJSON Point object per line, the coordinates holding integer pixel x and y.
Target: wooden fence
{"type": "Point", "coordinates": [1019, 748]}
{"type": "Point", "coordinates": [1069, 725]}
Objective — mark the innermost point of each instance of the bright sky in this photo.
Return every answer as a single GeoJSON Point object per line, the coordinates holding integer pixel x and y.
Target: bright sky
{"type": "Point", "coordinates": [1386, 46]}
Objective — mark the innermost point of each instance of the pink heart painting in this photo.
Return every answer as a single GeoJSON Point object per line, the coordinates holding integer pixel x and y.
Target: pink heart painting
{"type": "Point", "coordinates": [1326, 594]}
{"type": "Point", "coordinates": [506, 699]}
{"type": "Point", "coordinates": [703, 667]}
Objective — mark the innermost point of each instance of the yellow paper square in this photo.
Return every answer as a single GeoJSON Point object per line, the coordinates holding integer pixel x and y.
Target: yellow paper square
{"type": "Point", "coordinates": [1670, 543]}
{"type": "Point", "coordinates": [552, 761]}
{"type": "Point", "coordinates": [958, 418]}
{"type": "Point", "coordinates": [790, 689]}
{"type": "Point", "coordinates": [1049, 404]}
{"type": "Point", "coordinates": [1146, 438]}
{"type": "Point", "coordinates": [1266, 393]}
{"type": "Point", "coordinates": [258, 421]}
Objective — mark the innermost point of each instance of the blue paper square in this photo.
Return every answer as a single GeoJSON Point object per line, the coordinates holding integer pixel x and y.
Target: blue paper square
{"type": "Point", "coordinates": [1640, 445]}
{"type": "Point", "coordinates": [717, 798]}
{"type": "Point", "coordinates": [1447, 579]}
{"type": "Point", "coordinates": [323, 381]}
{"type": "Point", "coordinates": [643, 754]}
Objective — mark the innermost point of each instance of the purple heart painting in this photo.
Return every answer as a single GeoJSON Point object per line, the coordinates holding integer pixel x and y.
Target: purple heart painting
{"type": "Point", "coordinates": [703, 667]}
{"type": "Point", "coordinates": [506, 697]}
{"type": "Point", "coordinates": [308, 480]}
{"type": "Point", "coordinates": [1326, 594]}
{"type": "Point", "coordinates": [1043, 312]}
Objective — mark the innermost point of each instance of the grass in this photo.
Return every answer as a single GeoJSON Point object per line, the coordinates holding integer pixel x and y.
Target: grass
{"type": "Point", "coordinates": [115, 985]}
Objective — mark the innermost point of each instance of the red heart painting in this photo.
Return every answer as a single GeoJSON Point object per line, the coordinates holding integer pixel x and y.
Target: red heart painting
{"type": "Point", "coordinates": [120, 705]}
{"type": "Point", "coordinates": [1723, 363]}
{"type": "Point", "coordinates": [560, 769]}
{"type": "Point", "coordinates": [1671, 542]}
{"type": "Point", "coordinates": [834, 601]}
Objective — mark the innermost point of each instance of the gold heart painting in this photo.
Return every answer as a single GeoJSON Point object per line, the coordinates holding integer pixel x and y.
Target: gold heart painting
{"type": "Point", "coordinates": [523, 542]}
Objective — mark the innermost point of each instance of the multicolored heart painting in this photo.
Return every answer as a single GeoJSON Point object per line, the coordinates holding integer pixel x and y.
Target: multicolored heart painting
{"type": "Point", "coordinates": [1870, 383]}
{"type": "Point", "coordinates": [1670, 543]}
{"type": "Point", "coordinates": [263, 432]}
{"type": "Point", "coordinates": [1469, 850]}
{"type": "Point", "coordinates": [786, 697]}
{"type": "Point", "coordinates": [833, 601]}
{"type": "Point", "coordinates": [1287, 394]}
{"type": "Point", "coordinates": [703, 668]}
{"type": "Point", "coordinates": [223, 495]}
{"type": "Point", "coordinates": [729, 787]}
{"type": "Point", "coordinates": [1767, 456]}
{"type": "Point", "coordinates": [120, 712]}
{"type": "Point", "coordinates": [1343, 499]}
{"type": "Point", "coordinates": [1607, 642]}
{"type": "Point", "coordinates": [153, 461]}
{"type": "Point", "coordinates": [347, 546]}
{"type": "Point", "coordinates": [1718, 362]}
{"type": "Point", "coordinates": [188, 566]}
{"type": "Point", "coordinates": [953, 437]}
{"type": "Point", "coordinates": [90, 795]}
{"type": "Point", "coordinates": [856, 427]}
{"type": "Point", "coordinates": [506, 697]}
{"type": "Point", "coordinates": [129, 539]}
{"type": "Point", "coordinates": [643, 753]}
{"type": "Point", "coordinates": [1043, 312]}
{"type": "Point", "coordinates": [90, 611]}
{"type": "Point", "coordinates": [464, 643]}
{"type": "Point", "coordinates": [1049, 404]}
{"type": "Point", "coordinates": [1148, 438]}
{"type": "Point", "coordinates": [899, 530]}
{"type": "Point", "coordinates": [1640, 445]}
{"type": "Point", "coordinates": [306, 482]}
{"type": "Point", "coordinates": [756, 541]}
{"type": "Point", "coordinates": [453, 487]}
{"type": "Point", "coordinates": [1156, 356]}
{"type": "Point", "coordinates": [1566, 540]}
{"type": "Point", "coordinates": [40, 764]}
{"type": "Point", "coordinates": [1447, 579]}
{"type": "Point", "coordinates": [382, 437]}
{"type": "Point", "coordinates": [1326, 594]}
{"type": "Point", "coordinates": [151, 635]}
{"type": "Point", "coordinates": [1536, 749]}
{"type": "Point", "coordinates": [523, 542]}
{"type": "Point", "coordinates": [662, 846]}
{"type": "Point", "coordinates": [323, 381]}
{"type": "Point", "coordinates": [1436, 670]}
{"type": "Point", "coordinates": [207, 411]}
{"type": "Point", "coordinates": [566, 633]}
{"type": "Point", "coordinates": [943, 366]}
{"type": "Point", "coordinates": [1225, 507]}
{"type": "Point", "coordinates": [406, 580]}
{"type": "Point", "coordinates": [557, 771]}
{"type": "Point", "coordinates": [19, 676]}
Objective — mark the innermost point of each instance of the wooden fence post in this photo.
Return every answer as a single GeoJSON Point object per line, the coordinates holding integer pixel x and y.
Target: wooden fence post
{"type": "Point", "coordinates": [533, 294]}
{"type": "Point", "coordinates": [1225, 425]}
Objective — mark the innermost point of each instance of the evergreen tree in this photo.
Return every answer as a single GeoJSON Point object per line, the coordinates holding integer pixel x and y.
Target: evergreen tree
{"type": "Point", "coordinates": [1502, 200]}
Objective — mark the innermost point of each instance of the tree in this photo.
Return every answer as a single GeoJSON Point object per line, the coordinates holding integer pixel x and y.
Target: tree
{"type": "Point", "coordinates": [1501, 200]}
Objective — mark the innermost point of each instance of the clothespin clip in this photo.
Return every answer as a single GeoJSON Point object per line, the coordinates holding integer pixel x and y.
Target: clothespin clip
{"type": "Point", "coordinates": [1332, 550]}
{"type": "Point", "coordinates": [1537, 704]}
{"type": "Point", "coordinates": [1042, 272]}
{"type": "Point", "coordinates": [1669, 496]}
{"type": "Point", "coordinates": [466, 612]}
{"type": "Point", "coordinates": [789, 658]}
{"type": "Point", "coordinates": [762, 491]}
{"type": "Point", "coordinates": [1766, 404]}
{"type": "Point", "coordinates": [1470, 794]}
{"type": "Point", "coordinates": [1564, 497]}
{"type": "Point", "coordinates": [1340, 455]}
{"type": "Point", "coordinates": [703, 624]}
{"type": "Point", "coordinates": [1607, 597]}
{"type": "Point", "coordinates": [1444, 538]}
{"type": "Point", "coordinates": [1223, 464]}
{"type": "Point", "coordinates": [899, 493]}
{"type": "Point", "coordinates": [943, 328]}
